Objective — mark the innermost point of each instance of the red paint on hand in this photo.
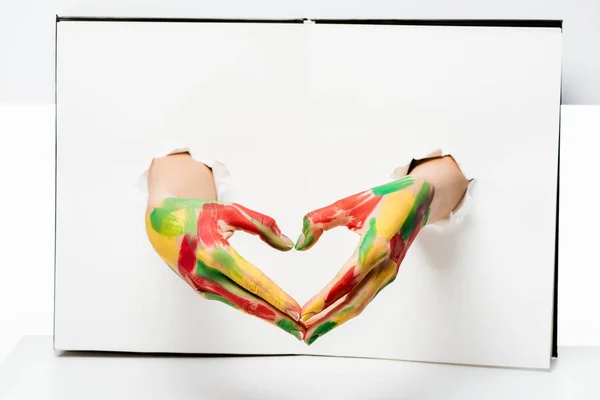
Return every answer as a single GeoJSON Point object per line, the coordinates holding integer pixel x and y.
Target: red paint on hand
{"type": "Point", "coordinates": [208, 225]}
{"type": "Point", "coordinates": [341, 287]}
{"type": "Point", "coordinates": [361, 212]}
{"type": "Point", "coordinates": [187, 255]}
{"type": "Point", "coordinates": [205, 285]}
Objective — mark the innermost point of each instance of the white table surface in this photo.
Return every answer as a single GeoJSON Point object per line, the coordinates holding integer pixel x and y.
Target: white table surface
{"type": "Point", "coordinates": [34, 371]}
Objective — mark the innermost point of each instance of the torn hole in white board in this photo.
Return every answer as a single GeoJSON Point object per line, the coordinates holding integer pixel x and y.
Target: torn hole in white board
{"type": "Point", "coordinates": [221, 175]}
{"type": "Point", "coordinates": [465, 204]}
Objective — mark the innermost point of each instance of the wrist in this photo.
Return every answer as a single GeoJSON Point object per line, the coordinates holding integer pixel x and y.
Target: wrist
{"type": "Point", "coordinates": [448, 181]}
{"type": "Point", "coordinates": [179, 175]}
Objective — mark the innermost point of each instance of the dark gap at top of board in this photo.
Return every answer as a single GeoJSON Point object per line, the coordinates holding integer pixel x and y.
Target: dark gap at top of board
{"type": "Point", "coordinates": [525, 23]}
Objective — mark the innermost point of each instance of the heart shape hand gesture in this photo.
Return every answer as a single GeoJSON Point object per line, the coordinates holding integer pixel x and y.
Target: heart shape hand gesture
{"type": "Point", "coordinates": [190, 235]}
{"type": "Point", "coordinates": [388, 219]}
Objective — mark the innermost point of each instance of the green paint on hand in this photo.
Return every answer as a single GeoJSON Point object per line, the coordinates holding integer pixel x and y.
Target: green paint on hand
{"type": "Point", "coordinates": [410, 224]}
{"type": "Point", "coordinates": [223, 257]}
{"type": "Point", "coordinates": [223, 300]}
{"type": "Point", "coordinates": [393, 186]}
{"type": "Point", "coordinates": [270, 237]}
{"type": "Point", "coordinates": [426, 217]}
{"type": "Point", "coordinates": [190, 225]}
{"type": "Point", "coordinates": [321, 330]}
{"type": "Point", "coordinates": [307, 237]}
{"type": "Point", "coordinates": [208, 272]}
{"type": "Point", "coordinates": [367, 243]}
{"type": "Point", "coordinates": [166, 224]}
{"type": "Point", "coordinates": [290, 327]}
{"type": "Point", "coordinates": [347, 309]}
{"type": "Point", "coordinates": [286, 325]}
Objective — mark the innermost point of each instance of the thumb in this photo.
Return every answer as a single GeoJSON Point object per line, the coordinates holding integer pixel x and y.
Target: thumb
{"type": "Point", "coordinates": [259, 224]}
{"type": "Point", "coordinates": [311, 232]}
{"type": "Point", "coordinates": [349, 212]}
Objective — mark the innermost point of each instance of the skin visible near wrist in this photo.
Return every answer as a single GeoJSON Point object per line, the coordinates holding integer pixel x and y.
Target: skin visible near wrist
{"type": "Point", "coordinates": [449, 182]}
{"type": "Point", "coordinates": [179, 175]}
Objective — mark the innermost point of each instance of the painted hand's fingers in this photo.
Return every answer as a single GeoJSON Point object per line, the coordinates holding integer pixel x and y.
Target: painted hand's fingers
{"type": "Point", "coordinates": [349, 276]}
{"type": "Point", "coordinates": [256, 306]}
{"type": "Point", "coordinates": [350, 212]}
{"type": "Point", "coordinates": [352, 275]}
{"type": "Point", "coordinates": [217, 222]}
{"type": "Point", "coordinates": [259, 224]}
{"type": "Point", "coordinates": [213, 285]}
{"type": "Point", "coordinates": [353, 304]}
{"type": "Point", "coordinates": [387, 234]}
{"type": "Point", "coordinates": [231, 264]}
{"type": "Point", "coordinates": [389, 203]}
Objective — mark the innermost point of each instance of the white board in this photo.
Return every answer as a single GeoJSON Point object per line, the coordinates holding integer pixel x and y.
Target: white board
{"type": "Point", "coordinates": [287, 107]}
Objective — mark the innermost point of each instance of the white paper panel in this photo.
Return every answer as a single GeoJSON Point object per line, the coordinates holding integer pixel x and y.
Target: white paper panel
{"type": "Point", "coordinates": [304, 115]}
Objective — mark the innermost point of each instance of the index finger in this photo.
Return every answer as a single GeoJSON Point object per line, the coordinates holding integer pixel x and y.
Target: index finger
{"type": "Point", "coordinates": [368, 255]}
{"type": "Point", "coordinates": [353, 304]}
{"type": "Point", "coordinates": [231, 264]}
{"type": "Point", "coordinates": [253, 222]}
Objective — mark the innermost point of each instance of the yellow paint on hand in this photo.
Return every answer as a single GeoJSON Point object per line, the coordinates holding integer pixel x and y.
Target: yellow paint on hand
{"type": "Point", "coordinates": [165, 247]}
{"type": "Point", "coordinates": [253, 280]}
{"type": "Point", "coordinates": [316, 307]}
{"type": "Point", "coordinates": [378, 250]}
{"type": "Point", "coordinates": [393, 212]}
{"type": "Point", "coordinates": [369, 288]}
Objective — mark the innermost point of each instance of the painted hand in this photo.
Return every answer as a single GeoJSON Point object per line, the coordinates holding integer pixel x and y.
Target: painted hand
{"type": "Point", "coordinates": [190, 235]}
{"type": "Point", "coordinates": [388, 218]}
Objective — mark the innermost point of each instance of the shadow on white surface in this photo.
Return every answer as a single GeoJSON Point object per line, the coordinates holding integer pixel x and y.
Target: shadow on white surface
{"type": "Point", "coordinates": [574, 376]}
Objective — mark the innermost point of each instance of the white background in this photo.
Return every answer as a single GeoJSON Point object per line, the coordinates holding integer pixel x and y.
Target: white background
{"type": "Point", "coordinates": [27, 30]}
{"type": "Point", "coordinates": [287, 108]}
{"type": "Point", "coordinates": [26, 284]}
